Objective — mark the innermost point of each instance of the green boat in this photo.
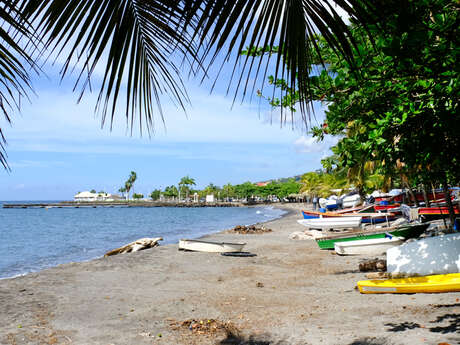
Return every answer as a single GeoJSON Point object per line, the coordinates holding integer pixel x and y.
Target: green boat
{"type": "Point", "coordinates": [406, 231]}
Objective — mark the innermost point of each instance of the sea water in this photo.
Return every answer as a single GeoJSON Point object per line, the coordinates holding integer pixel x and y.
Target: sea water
{"type": "Point", "coordinates": [36, 238]}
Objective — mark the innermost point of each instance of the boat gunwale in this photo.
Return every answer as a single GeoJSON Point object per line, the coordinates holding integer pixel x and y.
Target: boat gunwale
{"type": "Point", "coordinates": [212, 242]}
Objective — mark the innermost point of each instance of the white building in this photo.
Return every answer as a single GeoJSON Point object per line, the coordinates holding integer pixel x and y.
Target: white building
{"type": "Point", "coordinates": [210, 198]}
{"type": "Point", "coordinates": [88, 196]}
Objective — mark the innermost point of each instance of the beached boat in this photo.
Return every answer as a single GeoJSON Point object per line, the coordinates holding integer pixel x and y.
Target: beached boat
{"type": "Point", "coordinates": [351, 200]}
{"type": "Point", "coordinates": [425, 284]}
{"type": "Point", "coordinates": [384, 207]}
{"type": "Point", "coordinates": [406, 231]}
{"type": "Point", "coordinates": [329, 203]}
{"type": "Point", "coordinates": [210, 247]}
{"type": "Point", "coordinates": [375, 246]}
{"type": "Point", "coordinates": [331, 223]}
{"type": "Point", "coordinates": [426, 256]}
{"type": "Point", "coordinates": [367, 217]}
{"type": "Point", "coordinates": [437, 211]}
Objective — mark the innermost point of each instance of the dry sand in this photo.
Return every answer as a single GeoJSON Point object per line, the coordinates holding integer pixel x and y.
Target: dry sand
{"type": "Point", "coordinates": [290, 293]}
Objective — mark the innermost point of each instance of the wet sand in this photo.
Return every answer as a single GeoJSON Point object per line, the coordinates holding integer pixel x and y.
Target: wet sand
{"type": "Point", "coordinates": [290, 293]}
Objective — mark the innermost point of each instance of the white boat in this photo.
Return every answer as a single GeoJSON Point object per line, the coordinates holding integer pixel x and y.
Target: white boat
{"type": "Point", "coordinates": [351, 201]}
{"type": "Point", "coordinates": [331, 222]}
{"type": "Point", "coordinates": [329, 203]}
{"type": "Point", "coordinates": [426, 256]}
{"type": "Point", "coordinates": [210, 247]}
{"type": "Point", "coordinates": [375, 246]}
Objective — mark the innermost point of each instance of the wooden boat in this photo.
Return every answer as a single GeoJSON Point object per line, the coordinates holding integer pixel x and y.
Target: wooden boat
{"type": "Point", "coordinates": [426, 256]}
{"type": "Point", "coordinates": [424, 284]}
{"type": "Point", "coordinates": [405, 231]}
{"type": "Point", "coordinates": [351, 200]}
{"type": "Point", "coordinates": [367, 217]}
{"type": "Point", "coordinates": [375, 246]}
{"type": "Point", "coordinates": [386, 207]}
{"type": "Point", "coordinates": [331, 223]}
{"type": "Point", "coordinates": [436, 210]}
{"type": "Point", "coordinates": [210, 247]}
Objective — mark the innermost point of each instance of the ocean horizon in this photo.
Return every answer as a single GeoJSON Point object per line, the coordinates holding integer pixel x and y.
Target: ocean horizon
{"type": "Point", "coordinates": [37, 238]}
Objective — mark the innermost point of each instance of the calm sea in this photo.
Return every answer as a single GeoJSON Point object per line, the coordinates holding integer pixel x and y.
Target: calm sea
{"type": "Point", "coordinates": [34, 239]}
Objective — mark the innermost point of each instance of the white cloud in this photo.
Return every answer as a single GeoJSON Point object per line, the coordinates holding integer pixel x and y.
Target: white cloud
{"type": "Point", "coordinates": [54, 122]}
{"type": "Point", "coordinates": [305, 144]}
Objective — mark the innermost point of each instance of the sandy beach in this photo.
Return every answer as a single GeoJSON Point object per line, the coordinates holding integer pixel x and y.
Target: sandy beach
{"type": "Point", "coordinates": [290, 293]}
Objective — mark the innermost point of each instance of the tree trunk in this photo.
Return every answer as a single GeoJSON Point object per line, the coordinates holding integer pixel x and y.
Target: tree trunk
{"type": "Point", "coordinates": [448, 201]}
{"type": "Point", "coordinates": [412, 195]}
{"type": "Point", "coordinates": [425, 196]}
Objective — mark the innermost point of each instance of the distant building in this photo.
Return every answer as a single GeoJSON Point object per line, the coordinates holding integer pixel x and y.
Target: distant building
{"type": "Point", "coordinates": [88, 196]}
{"type": "Point", "coordinates": [262, 184]}
{"type": "Point", "coordinates": [210, 198]}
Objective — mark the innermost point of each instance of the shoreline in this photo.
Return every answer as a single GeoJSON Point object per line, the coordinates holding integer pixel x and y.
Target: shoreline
{"type": "Point", "coordinates": [217, 231]}
{"type": "Point", "coordinates": [290, 293]}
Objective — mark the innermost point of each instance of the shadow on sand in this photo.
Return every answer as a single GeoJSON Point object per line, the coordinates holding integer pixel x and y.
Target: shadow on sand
{"type": "Point", "coordinates": [233, 339]}
{"type": "Point", "coordinates": [370, 341]}
{"type": "Point", "coordinates": [450, 324]}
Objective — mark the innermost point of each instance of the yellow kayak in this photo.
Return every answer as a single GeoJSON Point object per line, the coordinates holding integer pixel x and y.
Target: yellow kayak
{"type": "Point", "coordinates": [426, 284]}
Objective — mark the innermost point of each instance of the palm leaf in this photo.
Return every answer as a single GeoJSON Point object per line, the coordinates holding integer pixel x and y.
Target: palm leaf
{"type": "Point", "coordinates": [144, 33]}
{"type": "Point", "coordinates": [229, 26]}
{"type": "Point", "coordinates": [137, 39]}
{"type": "Point", "coordinates": [15, 34]}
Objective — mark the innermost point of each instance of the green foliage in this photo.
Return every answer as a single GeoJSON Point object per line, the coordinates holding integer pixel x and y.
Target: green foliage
{"type": "Point", "coordinates": [184, 185]}
{"type": "Point", "coordinates": [171, 192]}
{"type": "Point", "coordinates": [155, 195]}
{"type": "Point", "coordinates": [228, 191]}
{"type": "Point", "coordinates": [210, 189]}
{"type": "Point", "coordinates": [245, 190]}
{"type": "Point", "coordinates": [396, 109]}
{"type": "Point", "coordinates": [138, 196]}
{"type": "Point", "coordinates": [129, 183]}
{"type": "Point", "coordinates": [93, 191]}
{"type": "Point", "coordinates": [321, 184]}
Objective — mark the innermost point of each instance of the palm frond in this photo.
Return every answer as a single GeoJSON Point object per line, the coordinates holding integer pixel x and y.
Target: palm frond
{"type": "Point", "coordinates": [137, 39]}
{"type": "Point", "coordinates": [229, 26]}
{"type": "Point", "coordinates": [15, 34]}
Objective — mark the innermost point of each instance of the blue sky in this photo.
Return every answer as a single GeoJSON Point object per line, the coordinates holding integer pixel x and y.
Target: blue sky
{"type": "Point", "coordinates": [57, 148]}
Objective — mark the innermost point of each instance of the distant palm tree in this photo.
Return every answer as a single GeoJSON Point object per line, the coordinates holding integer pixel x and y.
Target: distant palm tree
{"type": "Point", "coordinates": [185, 184]}
{"type": "Point", "coordinates": [129, 183]}
{"type": "Point", "coordinates": [142, 41]}
{"type": "Point", "coordinates": [122, 190]}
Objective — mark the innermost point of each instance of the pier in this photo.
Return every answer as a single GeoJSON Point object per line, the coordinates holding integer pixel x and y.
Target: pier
{"type": "Point", "coordinates": [73, 204]}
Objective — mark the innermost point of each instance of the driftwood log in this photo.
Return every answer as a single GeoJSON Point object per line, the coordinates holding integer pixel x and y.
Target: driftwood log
{"type": "Point", "coordinates": [377, 275]}
{"type": "Point", "coordinates": [141, 244]}
{"type": "Point", "coordinates": [373, 265]}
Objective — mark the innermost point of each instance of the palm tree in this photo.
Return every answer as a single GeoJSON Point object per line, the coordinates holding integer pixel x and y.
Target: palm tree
{"type": "Point", "coordinates": [229, 190]}
{"type": "Point", "coordinates": [142, 40]}
{"type": "Point", "coordinates": [122, 190]}
{"type": "Point", "coordinates": [185, 183]}
{"type": "Point", "coordinates": [129, 183]}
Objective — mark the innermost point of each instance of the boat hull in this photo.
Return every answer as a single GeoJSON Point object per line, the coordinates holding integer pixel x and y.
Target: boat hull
{"type": "Point", "coordinates": [404, 231]}
{"type": "Point", "coordinates": [426, 256]}
{"type": "Point", "coordinates": [210, 247]}
{"type": "Point", "coordinates": [376, 246]}
{"type": "Point", "coordinates": [436, 210]}
{"type": "Point", "coordinates": [425, 284]}
{"type": "Point", "coordinates": [331, 223]}
{"type": "Point", "coordinates": [367, 217]}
